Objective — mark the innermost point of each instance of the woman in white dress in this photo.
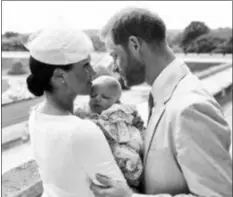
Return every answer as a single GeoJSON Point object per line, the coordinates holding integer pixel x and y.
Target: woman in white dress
{"type": "Point", "coordinates": [69, 151]}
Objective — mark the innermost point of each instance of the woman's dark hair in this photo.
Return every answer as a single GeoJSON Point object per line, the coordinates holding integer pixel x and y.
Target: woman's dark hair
{"type": "Point", "coordinates": [39, 79]}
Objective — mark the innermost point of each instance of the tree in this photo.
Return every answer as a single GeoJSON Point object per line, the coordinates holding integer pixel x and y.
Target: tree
{"type": "Point", "coordinates": [206, 43]}
{"type": "Point", "coordinates": [12, 41]}
{"type": "Point", "coordinates": [10, 34]}
{"type": "Point", "coordinates": [225, 47]}
{"type": "Point", "coordinates": [228, 46]}
{"type": "Point", "coordinates": [193, 31]}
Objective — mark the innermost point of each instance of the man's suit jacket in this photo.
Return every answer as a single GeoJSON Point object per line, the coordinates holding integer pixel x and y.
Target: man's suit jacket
{"type": "Point", "coordinates": [187, 140]}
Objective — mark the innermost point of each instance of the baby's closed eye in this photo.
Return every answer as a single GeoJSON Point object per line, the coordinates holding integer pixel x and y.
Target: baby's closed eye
{"type": "Point", "coordinates": [106, 97]}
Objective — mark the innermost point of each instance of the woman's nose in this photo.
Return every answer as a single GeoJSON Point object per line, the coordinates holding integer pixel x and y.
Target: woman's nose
{"type": "Point", "coordinates": [92, 72]}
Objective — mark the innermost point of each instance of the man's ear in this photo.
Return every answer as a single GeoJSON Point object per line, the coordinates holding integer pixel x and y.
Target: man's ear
{"type": "Point", "coordinates": [134, 45]}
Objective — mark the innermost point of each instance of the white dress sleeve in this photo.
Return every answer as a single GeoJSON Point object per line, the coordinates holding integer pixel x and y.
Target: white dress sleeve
{"type": "Point", "coordinates": [91, 151]}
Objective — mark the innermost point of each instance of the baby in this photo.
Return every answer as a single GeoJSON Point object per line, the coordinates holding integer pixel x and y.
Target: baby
{"type": "Point", "coordinates": [120, 123]}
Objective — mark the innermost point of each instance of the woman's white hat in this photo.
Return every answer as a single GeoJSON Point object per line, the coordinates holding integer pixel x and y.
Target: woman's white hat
{"type": "Point", "coordinates": [59, 45]}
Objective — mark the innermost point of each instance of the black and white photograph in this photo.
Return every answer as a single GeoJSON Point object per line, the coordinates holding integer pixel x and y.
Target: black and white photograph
{"type": "Point", "coordinates": [116, 98]}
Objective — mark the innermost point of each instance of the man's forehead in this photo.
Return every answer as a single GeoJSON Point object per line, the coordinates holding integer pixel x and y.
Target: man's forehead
{"type": "Point", "coordinates": [112, 48]}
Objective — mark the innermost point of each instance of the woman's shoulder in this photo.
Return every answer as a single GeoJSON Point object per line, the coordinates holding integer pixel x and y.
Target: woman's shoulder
{"type": "Point", "coordinates": [70, 124]}
{"type": "Point", "coordinates": [87, 132]}
{"type": "Point", "coordinates": [81, 125]}
{"type": "Point", "coordinates": [79, 130]}
{"type": "Point", "coordinates": [58, 122]}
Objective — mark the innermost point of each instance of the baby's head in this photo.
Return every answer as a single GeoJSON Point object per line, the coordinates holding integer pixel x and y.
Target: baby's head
{"type": "Point", "coordinates": [105, 92]}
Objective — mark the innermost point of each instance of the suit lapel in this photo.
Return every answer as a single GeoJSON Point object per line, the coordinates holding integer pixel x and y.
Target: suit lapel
{"type": "Point", "coordinates": [162, 91]}
{"type": "Point", "coordinates": [156, 116]}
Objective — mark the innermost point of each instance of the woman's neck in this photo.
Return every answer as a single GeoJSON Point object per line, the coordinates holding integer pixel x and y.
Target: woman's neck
{"type": "Point", "coordinates": [58, 106]}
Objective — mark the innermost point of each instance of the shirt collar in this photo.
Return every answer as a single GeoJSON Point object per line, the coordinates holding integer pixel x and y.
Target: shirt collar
{"type": "Point", "coordinates": [165, 83]}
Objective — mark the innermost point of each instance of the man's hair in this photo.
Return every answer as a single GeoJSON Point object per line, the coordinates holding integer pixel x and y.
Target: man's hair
{"type": "Point", "coordinates": [137, 22]}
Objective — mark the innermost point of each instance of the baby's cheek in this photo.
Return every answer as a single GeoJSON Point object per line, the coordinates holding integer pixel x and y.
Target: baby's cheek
{"type": "Point", "coordinates": [105, 104]}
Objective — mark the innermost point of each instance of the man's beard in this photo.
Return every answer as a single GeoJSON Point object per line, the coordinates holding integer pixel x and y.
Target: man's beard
{"type": "Point", "coordinates": [135, 72]}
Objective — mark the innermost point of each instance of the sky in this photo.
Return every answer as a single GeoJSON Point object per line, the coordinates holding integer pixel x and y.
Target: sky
{"type": "Point", "coordinates": [30, 16]}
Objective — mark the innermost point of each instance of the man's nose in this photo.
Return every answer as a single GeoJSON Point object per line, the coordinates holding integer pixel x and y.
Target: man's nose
{"type": "Point", "coordinates": [115, 68]}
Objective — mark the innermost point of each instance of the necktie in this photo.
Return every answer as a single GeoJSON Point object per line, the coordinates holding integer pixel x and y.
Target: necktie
{"type": "Point", "coordinates": [151, 105]}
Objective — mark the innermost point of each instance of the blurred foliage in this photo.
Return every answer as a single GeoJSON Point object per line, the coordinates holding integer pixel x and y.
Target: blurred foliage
{"type": "Point", "coordinates": [209, 43]}
{"type": "Point", "coordinates": [197, 37]}
{"type": "Point", "coordinates": [204, 44]}
{"type": "Point", "coordinates": [11, 34]}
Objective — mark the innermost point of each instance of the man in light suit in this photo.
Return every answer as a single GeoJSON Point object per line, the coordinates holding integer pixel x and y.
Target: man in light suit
{"type": "Point", "coordinates": [187, 138]}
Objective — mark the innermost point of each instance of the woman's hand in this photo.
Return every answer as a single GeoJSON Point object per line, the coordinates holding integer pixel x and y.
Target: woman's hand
{"type": "Point", "coordinates": [80, 113]}
{"type": "Point", "coordinates": [111, 188]}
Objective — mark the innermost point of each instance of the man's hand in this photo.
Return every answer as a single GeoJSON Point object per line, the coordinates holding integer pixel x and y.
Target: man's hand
{"type": "Point", "coordinates": [111, 188]}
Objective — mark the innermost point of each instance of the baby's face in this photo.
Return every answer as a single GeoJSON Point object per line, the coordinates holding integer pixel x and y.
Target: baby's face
{"type": "Point", "coordinates": [102, 97]}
